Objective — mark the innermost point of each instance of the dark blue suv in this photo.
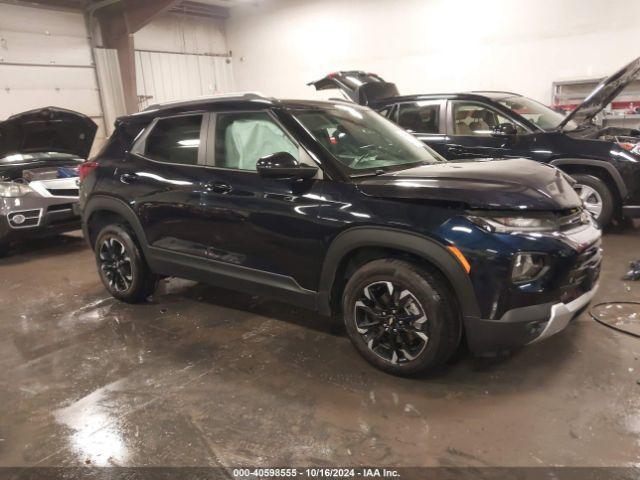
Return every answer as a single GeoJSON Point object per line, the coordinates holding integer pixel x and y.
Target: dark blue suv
{"type": "Point", "coordinates": [329, 206]}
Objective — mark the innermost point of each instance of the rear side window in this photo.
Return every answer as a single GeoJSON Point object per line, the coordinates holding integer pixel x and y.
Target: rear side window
{"type": "Point", "coordinates": [175, 140]}
{"type": "Point", "coordinates": [243, 138]}
{"type": "Point", "coordinates": [419, 117]}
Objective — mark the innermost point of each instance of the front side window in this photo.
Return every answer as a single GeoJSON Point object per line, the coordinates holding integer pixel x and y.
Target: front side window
{"type": "Point", "coordinates": [478, 120]}
{"type": "Point", "coordinates": [243, 138]}
{"type": "Point", "coordinates": [175, 140]}
{"type": "Point", "coordinates": [536, 113]}
{"type": "Point", "coordinates": [420, 117]}
{"type": "Point", "coordinates": [360, 139]}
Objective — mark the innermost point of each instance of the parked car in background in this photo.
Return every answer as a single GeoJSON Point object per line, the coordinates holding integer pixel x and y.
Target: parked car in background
{"type": "Point", "coordinates": [604, 161]}
{"type": "Point", "coordinates": [40, 152]}
{"type": "Point", "coordinates": [332, 207]}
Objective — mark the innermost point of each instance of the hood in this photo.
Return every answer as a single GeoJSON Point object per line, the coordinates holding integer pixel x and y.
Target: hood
{"type": "Point", "coordinates": [360, 87]}
{"type": "Point", "coordinates": [513, 184]}
{"type": "Point", "coordinates": [603, 94]}
{"type": "Point", "coordinates": [47, 129]}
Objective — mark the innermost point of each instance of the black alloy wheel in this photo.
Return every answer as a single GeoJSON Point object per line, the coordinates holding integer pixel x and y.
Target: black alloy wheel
{"type": "Point", "coordinates": [121, 264]}
{"type": "Point", "coordinates": [115, 264]}
{"type": "Point", "coordinates": [391, 321]}
{"type": "Point", "coordinates": [403, 318]}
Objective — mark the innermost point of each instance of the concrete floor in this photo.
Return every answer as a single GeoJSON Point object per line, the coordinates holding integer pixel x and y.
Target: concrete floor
{"type": "Point", "coordinates": [207, 377]}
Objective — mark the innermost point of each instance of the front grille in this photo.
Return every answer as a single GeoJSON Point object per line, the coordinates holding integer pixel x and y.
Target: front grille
{"type": "Point", "coordinates": [63, 192]}
{"type": "Point", "coordinates": [25, 218]}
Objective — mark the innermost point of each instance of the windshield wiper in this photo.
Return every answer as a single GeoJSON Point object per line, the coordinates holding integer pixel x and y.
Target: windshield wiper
{"type": "Point", "coordinates": [375, 173]}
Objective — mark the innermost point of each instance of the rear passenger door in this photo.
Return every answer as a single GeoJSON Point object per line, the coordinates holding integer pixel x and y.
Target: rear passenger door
{"type": "Point", "coordinates": [425, 119]}
{"type": "Point", "coordinates": [264, 224]}
{"type": "Point", "coordinates": [161, 177]}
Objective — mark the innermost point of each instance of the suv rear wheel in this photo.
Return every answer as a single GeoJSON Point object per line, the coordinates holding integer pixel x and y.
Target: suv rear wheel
{"type": "Point", "coordinates": [121, 265]}
{"type": "Point", "coordinates": [401, 318]}
{"type": "Point", "coordinates": [596, 196]}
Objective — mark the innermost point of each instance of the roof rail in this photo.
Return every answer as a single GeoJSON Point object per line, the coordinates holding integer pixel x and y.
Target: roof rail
{"type": "Point", "coordinates": [235, 95]}
{"type": "Point", "coordinates": [495, 91]}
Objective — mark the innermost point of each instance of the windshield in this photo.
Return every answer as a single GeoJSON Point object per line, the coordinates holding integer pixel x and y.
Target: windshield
{"type": "Point", "coordinates": [537, 113]}
{"type": "Point", "coordinates": [362, 139]}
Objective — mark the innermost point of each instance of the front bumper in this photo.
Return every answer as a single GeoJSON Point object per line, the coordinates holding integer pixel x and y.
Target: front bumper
{"type": "Point", "coordinates": [513, 315]}
{"type": "Point", "coordinates": [563, 313]}
{"type": "Point", "coordinates": [35, 216]}
{"type": "Point", "coordinates": [523, 326]}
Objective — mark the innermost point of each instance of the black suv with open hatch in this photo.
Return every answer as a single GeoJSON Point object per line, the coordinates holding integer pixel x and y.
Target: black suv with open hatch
{"type": "Point", "coordinates": [604, 161]}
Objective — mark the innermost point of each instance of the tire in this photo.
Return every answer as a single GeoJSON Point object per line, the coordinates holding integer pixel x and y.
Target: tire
{"type": "Point", "coordinates": [4, 249]}
{"type": "Point", "coordinates": [426, 307]}
{"type": "Point", "coordinates": [595, 193]}
{"type": "Point", "coordinates": [121, 265]}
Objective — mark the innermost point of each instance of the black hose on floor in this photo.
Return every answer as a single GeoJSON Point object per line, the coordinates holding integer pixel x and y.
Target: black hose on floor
{"type": "Point", "coordinates": [613, 327]}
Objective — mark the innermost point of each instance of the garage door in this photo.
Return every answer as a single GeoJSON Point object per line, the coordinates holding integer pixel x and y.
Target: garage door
{"type": "Point", "coordinates": [46, 61]}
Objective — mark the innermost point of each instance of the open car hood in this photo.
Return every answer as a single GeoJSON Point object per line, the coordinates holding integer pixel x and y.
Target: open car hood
{"type": "Point", "coordinates": [513, 184]}
{"type": "Point", "coordinates": [603, 94]}
{"type": "Point", "coordinates": [49, 129]}
{"type": "Point", "coordinates": [360, 87]}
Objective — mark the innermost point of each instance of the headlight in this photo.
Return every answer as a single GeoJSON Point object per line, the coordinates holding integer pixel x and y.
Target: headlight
{"type": "Point", "coordinates": [11, 190]}
{"type": "Point", "coordinates": [528, 266]}
{"type": "Point", "coordinates": [515, 224]}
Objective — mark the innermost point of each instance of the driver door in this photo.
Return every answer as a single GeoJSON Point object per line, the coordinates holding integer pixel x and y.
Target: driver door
{"type": "Point", "coordinates": [265, 224]}
{"type": "Point", "coordinates": [470, 132]}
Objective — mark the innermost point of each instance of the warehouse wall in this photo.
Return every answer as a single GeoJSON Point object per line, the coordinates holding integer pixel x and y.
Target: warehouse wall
{"type": "Point", "coordinates": [431, 45]}
{"type": "Point", "coordinates": [183, 33]}
{"type": "Point", "coordinates": [198, 67]}
{"type": "Point", "coordinates": [46, 61]}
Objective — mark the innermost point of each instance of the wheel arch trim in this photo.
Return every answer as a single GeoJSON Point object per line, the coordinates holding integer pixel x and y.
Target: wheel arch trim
{"type": "Point", "coordinates": [103, 203]}
{"type": "Point", "coordinates": [615, 174]}
{"type": "Point", "coordinates": [384, 237]}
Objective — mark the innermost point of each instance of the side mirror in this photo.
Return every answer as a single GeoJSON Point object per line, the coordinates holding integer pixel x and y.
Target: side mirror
{"type": "Point", "coordinates": [504, 130]}
{"type": "Point", "coordinates": [283, 165]}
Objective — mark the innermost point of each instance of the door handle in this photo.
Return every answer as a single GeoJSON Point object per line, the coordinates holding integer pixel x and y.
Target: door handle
{"type": "Point", "coordinates": [455, 149]}
{"type": "Point", "coordinates": [217, 187]}
{"type": "Point", "coordinates": [129, 178]}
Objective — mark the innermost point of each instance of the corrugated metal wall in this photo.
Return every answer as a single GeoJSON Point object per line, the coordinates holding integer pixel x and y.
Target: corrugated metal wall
{"type": "Point", "coordinates": [111, 88]}
{"type": "Point", "coordinates": [45, 59]}
{"type": "Point", "coordinates": [163, 76]}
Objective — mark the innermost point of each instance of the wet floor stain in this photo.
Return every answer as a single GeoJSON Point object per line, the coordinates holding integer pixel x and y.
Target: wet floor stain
{"type": "Point", "coordinates": [207, 377]}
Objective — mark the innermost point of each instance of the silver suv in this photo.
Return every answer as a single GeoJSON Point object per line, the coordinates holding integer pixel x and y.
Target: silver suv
{"type": "Point", "coordinates": [40, 152]}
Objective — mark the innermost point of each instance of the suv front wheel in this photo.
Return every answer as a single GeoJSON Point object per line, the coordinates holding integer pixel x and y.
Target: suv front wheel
{"type": "Point", "coordinates": [596, 196]}
{"type": "Point", "coordinates": [121, 265]}
{"type": "Point", "coordinates": [401, 318]}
